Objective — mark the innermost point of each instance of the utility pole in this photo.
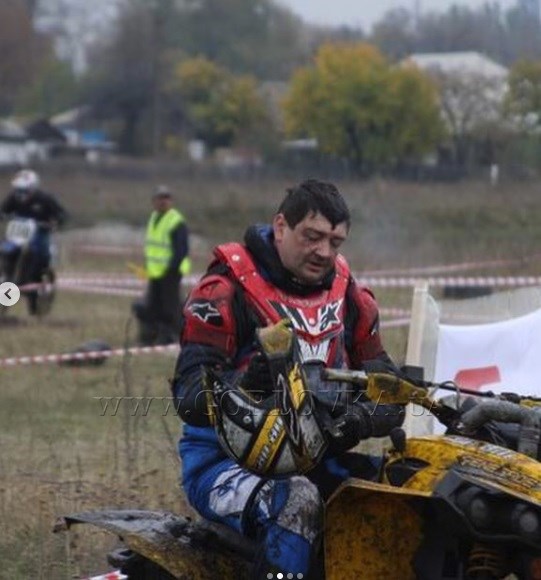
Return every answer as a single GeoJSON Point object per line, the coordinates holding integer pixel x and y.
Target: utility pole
{"type": "Point", "coordinates": [416, 23]}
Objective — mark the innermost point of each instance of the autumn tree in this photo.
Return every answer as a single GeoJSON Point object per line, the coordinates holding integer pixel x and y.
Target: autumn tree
{"type": "Point", "coordinates": [360, 107]}
{"type": "Point", "coordinates": [221, 108]}
{"type": "Point", "coordinates": [523, 102]}
{"type": "Point", "coordinates": [472, 106]}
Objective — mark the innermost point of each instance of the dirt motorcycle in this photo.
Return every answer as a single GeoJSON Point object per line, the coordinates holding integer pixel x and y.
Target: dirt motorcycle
{"type": "Point", "coordinates": [463, 505]}
{"type": "Point", "coordinates": [20, 265]}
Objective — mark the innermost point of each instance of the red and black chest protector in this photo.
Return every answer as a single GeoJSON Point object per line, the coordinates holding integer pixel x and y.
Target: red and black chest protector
{"type": "Point", "coordinates": [318, 319]}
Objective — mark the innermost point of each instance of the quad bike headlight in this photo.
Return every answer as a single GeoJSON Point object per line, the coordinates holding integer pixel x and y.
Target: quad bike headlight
{"type": "Point", "coordinates": [476, 506]}
{"type": "Point", "coordinates": [526, 522]}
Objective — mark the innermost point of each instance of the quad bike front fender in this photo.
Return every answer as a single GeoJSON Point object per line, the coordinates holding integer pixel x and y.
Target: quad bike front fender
{"type": "Point", "coordinates": [182, 548]}
{"type": "Point", "coordinates": [372, 531]}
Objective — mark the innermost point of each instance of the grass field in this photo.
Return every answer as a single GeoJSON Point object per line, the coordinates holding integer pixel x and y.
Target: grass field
{"type": "Point", "coordinates": [62, 452]}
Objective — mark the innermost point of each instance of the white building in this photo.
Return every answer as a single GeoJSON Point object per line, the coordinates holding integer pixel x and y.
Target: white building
{"type": "Point", "coordinates": [463, 63]}
{"type": "Point", "coordinates": [16, 148]}
{"type": "Point", "coordinates": [472, 89]}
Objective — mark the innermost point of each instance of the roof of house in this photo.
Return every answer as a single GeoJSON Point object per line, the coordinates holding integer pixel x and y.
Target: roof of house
{"type": "Point", "coordinates": [12, 132]}
{"type": "Point", "coordinates": [469, 62]}
{"type": "Point", "coordinates": [42, 130]}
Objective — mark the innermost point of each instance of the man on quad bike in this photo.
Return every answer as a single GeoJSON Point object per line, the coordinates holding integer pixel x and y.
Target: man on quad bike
{"type": "Point", "coordinates": [290, 269]}
{"type": "Point", "coordinates": [27, 200]}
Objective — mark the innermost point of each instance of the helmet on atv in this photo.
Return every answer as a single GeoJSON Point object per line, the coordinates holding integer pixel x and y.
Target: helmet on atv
{"type": "Point", "coordinates": [25, 180]}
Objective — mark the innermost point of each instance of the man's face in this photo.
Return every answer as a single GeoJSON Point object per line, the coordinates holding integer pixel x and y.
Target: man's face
{"type": "Point", "coordinates": [161, 203]}
{"type": "Point", "coordinates": [309, 249]}
{"type": "Point", "coordinates": [23, 195]}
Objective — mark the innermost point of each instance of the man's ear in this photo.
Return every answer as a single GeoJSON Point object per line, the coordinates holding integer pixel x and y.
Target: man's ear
{"type": "Point", "coordinates": [278, 225]}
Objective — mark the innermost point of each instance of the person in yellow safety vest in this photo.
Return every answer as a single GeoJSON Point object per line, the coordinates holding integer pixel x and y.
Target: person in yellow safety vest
{"type": "Point", "coordinates": [166, 261]}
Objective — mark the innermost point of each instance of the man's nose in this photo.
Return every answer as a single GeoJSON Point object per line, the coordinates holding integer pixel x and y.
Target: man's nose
{"type": "Point", "coordinates": [324, 249]}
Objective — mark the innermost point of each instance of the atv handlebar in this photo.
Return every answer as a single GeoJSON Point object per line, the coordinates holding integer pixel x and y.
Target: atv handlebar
{"type": "Point", "coordinates": [391, 389]}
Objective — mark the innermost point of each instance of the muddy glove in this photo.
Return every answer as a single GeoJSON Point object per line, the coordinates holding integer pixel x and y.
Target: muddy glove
{"type": "Point", "coordinates": [257, 379]}
{"type": "Point", "coordinates": [343, 427]}
{"type": "Point", "coordinates": [383, 418]}
{"type": "Point", "coordinates": [365, 420]}
{"type": "Point", "coordinates": [348, 431]}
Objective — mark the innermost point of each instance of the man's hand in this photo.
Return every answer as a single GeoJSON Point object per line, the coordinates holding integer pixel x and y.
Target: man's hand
{"type": "Point", "coordinates": [349, 430]}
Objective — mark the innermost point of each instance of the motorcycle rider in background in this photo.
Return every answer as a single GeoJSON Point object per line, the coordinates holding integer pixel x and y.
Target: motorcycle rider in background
{"type": "Point", "coordinates": [27, 200]}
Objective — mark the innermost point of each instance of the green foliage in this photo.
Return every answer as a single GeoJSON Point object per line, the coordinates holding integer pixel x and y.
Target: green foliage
{"type": "Point", "coordinates": [503, 35]}
{"type": "Point", "coordinates": [524, 97]}
{"type": "Point", "coordinates": [55, 89]}
{"type": "Point", "coordinates": [255, 37]}
{"type": "Point", "coordinates": [222, 109]}
{"type": "Point", "coordinates": [360, 107]}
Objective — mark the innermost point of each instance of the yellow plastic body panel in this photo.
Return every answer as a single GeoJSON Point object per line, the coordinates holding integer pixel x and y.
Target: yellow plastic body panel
{"type": "Point", "coordinates": [490, 465]}
{"type": "Point", "coordinates": [372, 532]}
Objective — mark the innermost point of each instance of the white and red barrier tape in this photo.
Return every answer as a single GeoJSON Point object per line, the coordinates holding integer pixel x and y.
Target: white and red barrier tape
{"type": "Point", "coordinates": [374, 282]}
{"type": "Point", "coordinates": [115, 575]}
{"type": "Point", "coordinates": [81, 356]}
{"type": "Point", "coordinates": [460, 281]}
{"type": "Point", "coordinates": [105, 290]}
{"type": "Point", "coordinates": [135, 350]}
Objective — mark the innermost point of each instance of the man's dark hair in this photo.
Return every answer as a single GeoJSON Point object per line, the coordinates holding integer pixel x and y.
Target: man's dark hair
{"type": "Point", "coordinates": [313, 196]}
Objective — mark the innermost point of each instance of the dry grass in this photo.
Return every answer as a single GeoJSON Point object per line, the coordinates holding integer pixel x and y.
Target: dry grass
{"type": "Point", "coordinates": [60, 454]}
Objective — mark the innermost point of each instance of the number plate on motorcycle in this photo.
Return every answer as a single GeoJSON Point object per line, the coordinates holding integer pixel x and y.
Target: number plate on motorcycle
{"type": "Point", "coordinates": [20, 231]}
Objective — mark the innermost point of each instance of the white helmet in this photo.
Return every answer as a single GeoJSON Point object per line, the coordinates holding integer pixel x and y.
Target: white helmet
{"type": "Point", "coordinates": [26, 179]}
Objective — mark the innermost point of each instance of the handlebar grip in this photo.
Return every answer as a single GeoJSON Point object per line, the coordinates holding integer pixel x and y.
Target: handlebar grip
{"type": "Point", "coordinates": [346, 376]}
{"type": "Point", "coordinates": [498, 410]}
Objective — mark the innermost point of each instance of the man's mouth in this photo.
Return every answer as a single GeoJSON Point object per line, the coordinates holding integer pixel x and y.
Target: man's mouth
{"type": "Point", "coordinates": [317, 266]}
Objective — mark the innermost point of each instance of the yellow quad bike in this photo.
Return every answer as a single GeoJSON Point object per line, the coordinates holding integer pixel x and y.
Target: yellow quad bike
{"type": "Point", "coordinates": [462, 505]}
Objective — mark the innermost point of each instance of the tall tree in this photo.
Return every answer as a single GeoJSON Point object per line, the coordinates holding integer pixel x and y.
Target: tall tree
{"type": "Point", "coordinates": [256, 37]}
{"type": "Point", "coordinates": [524, 98]}
{"type": "Point", "coordinates": [360, 107]}
{"type": "Point", "coordinates": [23, 52]}
{"type": "Point", "coordinates": [221, 108]}
{"type": "Point", "coordinates": [128, 76]}
{"type": "Point", "coordinates": [472, 107]}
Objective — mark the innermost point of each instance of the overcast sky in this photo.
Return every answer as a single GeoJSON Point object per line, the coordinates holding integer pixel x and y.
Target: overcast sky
{"type": "Point", "coordinates": [365, 12]}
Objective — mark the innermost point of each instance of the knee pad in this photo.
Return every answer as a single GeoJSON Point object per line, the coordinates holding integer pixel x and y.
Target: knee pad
{"type": "Point", "coordinates": [296, 505]}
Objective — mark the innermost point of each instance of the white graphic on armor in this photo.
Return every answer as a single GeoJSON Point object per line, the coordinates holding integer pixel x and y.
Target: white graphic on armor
{"type": "Point", "coordinates": [325, 318]}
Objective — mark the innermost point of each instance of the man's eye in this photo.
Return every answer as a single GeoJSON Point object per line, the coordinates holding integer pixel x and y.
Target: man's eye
{"type": "Point", "coordinates": [311, 237]}
{"type": "Point", "coordinates": [336, 244]}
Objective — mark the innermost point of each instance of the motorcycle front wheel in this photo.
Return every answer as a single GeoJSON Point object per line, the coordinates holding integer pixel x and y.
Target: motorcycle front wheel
{"type": "Point", "coordinates": [40, 301]}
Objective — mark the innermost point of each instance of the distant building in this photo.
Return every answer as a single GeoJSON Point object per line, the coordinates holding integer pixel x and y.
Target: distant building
{"type": "Point", "coordinates": [472, 90]}
{"type": "Point", "coordinates": [17, 148]}
{"type": "Point", "coordinates": [463, 63]}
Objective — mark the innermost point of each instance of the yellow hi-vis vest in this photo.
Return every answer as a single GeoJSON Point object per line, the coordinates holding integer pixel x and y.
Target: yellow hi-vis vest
{"type": "Point", "coordinates": [158, 249]}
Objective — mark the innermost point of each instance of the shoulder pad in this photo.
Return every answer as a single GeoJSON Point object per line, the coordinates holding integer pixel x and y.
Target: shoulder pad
{"type": "Point", "coordinates": [208, 314]}
{"type": "Point", "coordinates": [366, 337]}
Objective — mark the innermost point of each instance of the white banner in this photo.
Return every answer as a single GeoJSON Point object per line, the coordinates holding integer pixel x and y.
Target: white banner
{"type": "Point", "coordinates": [501, 356]}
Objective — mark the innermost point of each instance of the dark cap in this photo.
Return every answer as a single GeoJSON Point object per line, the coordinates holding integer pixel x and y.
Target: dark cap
{"type": "Point", "coordinates": [162, 191]}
